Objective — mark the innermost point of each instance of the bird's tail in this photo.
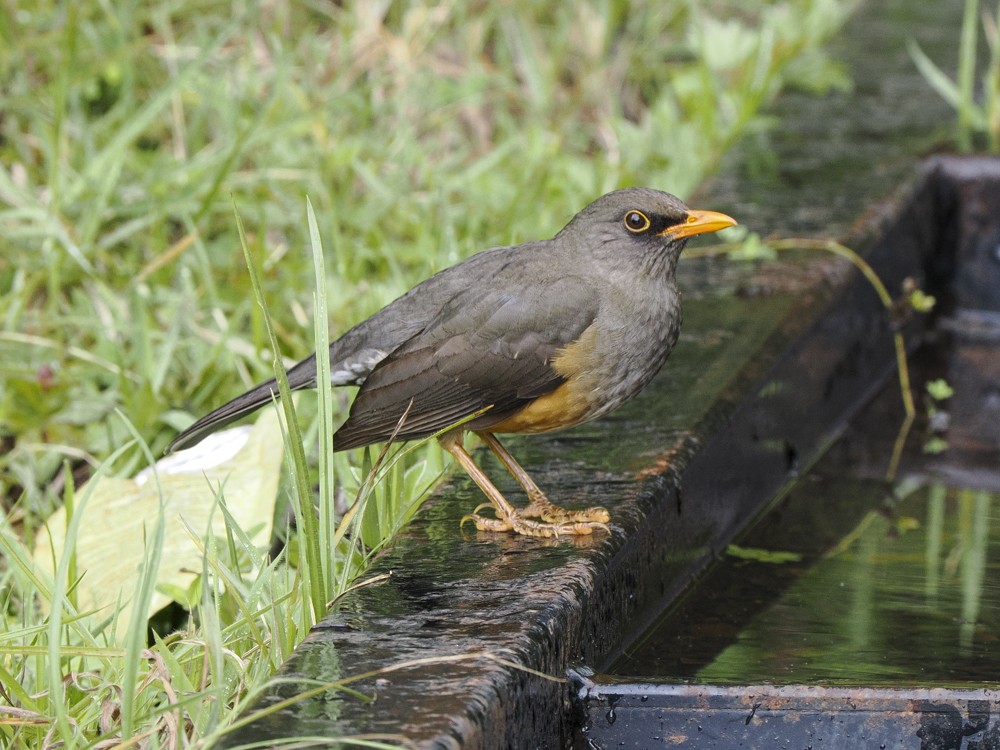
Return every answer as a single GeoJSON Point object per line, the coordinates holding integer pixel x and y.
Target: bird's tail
{"type": "Point", "coordinates": [302, 375]}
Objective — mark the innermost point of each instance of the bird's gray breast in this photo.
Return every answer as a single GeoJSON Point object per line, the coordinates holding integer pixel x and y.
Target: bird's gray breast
{"type": "Point", "coordinates": [638, 328]}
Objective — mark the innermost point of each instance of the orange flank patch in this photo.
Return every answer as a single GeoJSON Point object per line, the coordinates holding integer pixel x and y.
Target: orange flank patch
{"type": "Point", "coordinates": [563, 407]}
{"type": "Point", "coordinates": [567, 405]}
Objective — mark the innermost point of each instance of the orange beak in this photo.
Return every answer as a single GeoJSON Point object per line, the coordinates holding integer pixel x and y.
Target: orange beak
{"type": "Point", "coordinates": [698, 222]}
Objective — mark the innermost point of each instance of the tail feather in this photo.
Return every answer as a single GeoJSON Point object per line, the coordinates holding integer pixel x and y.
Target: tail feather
{"type": "Point", "coordinates": [352, 357]}
{"type": "Point", "coordinates": [302, 375]}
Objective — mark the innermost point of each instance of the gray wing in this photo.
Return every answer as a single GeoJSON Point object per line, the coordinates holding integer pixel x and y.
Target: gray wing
{"type": "Point", "coordinates": [354, 355]}
{"type": "Point", "coordinates": [490, 348]}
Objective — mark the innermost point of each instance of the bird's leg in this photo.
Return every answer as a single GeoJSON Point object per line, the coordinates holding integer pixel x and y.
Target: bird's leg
{"type": "Point", "coordinates": [508, 518]}
{"type": "Point", "coordinates": [539, 506]}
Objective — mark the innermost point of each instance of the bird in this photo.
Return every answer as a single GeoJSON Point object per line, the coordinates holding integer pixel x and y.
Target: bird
{"type": "Point", "coordinates": [524, 339]}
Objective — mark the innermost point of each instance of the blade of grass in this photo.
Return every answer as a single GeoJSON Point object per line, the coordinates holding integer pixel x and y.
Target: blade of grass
{"type": "Point", "coordinates": [311, 564]}
{"type": "Point", "coordinates": [327, 549]}
{"type": "Point", "coordinates": [966, 74]}
{"type": "Point", "coordinates": [991, 84]}
{"type": "Point", "coordinates": [135, 637]}
{"type": "Point", "coordinates": [60, 602]}
{"type": "Point", "coordinates": [938, 80]}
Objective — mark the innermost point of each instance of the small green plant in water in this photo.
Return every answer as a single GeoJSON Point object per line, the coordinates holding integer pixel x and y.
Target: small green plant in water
{"type": "Point", "coordinates": [768, 556]}
{"type": "Point", "coordinates": [937, 417]}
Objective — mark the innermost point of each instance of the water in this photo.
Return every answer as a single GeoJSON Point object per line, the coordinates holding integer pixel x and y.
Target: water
{"type": "Point", "coordinates": [851, 580]}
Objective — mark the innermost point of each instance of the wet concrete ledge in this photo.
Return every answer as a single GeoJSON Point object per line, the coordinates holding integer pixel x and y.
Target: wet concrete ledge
{"type": "Point", "coordinates": [758, 386]}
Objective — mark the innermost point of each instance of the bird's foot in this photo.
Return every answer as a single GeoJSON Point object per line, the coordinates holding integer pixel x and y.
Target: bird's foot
{"type": "Point", "coordinates": [541, 507]}
{"type": "Point", "coordinates": [519, 524]}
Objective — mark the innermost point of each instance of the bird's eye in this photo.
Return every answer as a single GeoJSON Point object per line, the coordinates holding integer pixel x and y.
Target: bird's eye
{"type": "Point", "coordinates": [636, 222]}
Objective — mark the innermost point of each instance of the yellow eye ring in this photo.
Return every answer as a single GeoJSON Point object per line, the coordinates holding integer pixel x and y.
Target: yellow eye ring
{"type": "Point", "coordinates": [636, 222]}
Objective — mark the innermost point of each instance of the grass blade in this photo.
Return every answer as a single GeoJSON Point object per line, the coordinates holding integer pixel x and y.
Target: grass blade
{"type": "Point", "coordinates": [321, 332]}
{"type": "Point", "coordinates": [311, 564]}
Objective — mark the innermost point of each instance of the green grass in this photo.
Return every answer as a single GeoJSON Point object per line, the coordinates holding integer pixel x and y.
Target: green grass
{"type": "Point", "coordinates": [977, 123]}
{"type": "Point", "coordinates": [420, 134]}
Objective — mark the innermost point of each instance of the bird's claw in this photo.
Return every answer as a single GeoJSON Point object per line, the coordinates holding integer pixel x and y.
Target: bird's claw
{"type": "Point", "coordinates": [526, 527]}
{"type": "Point", "coordinates": [556, 514]}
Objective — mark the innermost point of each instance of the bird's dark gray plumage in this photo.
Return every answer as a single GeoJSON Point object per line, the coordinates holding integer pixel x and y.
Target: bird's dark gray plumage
{"type": "Point", "coordinates": [542, 335]}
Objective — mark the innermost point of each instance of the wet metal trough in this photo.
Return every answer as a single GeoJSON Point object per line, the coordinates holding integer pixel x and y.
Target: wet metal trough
{"type": "Point", "coordinates": [798, 717]}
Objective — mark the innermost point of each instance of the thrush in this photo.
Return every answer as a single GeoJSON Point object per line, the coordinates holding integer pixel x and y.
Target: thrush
{"type": "Point", "coordinates": [525, 339]}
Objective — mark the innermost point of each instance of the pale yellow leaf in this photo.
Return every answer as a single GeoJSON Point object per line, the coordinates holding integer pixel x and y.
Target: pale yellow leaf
{"type": "Point", "coordinates": [121, 513]}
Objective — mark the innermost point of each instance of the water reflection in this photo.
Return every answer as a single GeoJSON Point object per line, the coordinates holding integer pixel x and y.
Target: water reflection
{"type": "Point", "coordinates": [847, 580]}
{"type": "Point", "coordinates": [905, 594]}
{"type": "Point", "coordinates": [974, 538]}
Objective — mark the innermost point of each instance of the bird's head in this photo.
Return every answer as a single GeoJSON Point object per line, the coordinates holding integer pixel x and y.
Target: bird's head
{"type": "Point", "coordinates": [643, 219]}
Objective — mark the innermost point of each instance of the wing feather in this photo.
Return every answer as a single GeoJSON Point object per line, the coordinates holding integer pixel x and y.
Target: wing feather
{"type": "Point", "coordinates": [483, 350]}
